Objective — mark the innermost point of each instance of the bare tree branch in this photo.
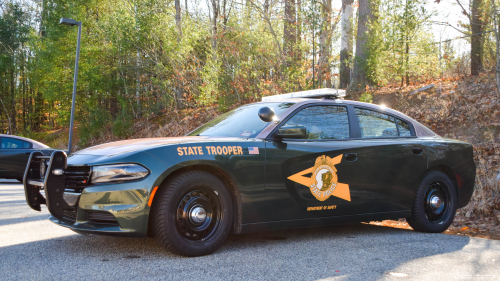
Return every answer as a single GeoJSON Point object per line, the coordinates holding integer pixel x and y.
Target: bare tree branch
{"type": "Point", "coordinates": [463, 10]}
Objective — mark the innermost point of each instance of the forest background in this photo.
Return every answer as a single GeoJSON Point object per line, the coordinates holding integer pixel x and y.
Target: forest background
{"type": "Point", "coordinates": [163, 67]}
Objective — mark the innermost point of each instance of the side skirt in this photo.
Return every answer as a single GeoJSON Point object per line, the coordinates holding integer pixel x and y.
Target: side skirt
{"type": "Point", "coordinates": [303, 223]}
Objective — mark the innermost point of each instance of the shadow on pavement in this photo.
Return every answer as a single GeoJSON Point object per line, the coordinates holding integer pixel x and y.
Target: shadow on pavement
{"type": "Point", "coordinates": [349, 251]}
{"type": "Point", "coordinates": [10, 182]}
{"type": "Point", "coordinates": [22, 219]}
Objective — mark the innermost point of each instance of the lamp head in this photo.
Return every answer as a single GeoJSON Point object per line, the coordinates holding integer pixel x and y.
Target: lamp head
{"type": "Point", "coordinates": [67, 21]}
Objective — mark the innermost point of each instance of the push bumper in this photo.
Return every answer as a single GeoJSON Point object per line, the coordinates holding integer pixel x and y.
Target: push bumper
{"type": "Point", "coordinates": [118, 209]}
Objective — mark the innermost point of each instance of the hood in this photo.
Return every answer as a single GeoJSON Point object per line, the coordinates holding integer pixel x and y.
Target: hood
{"type": "Point", "coordinates": [113, 148]}
{"type": "Point", "coordinates": [118, 147]}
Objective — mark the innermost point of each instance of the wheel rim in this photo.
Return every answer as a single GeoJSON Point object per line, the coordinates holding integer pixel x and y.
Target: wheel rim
{"type": "Point", "coordinates": [437, 202]}
{"type": "Point", "coordinates": [199, 215]}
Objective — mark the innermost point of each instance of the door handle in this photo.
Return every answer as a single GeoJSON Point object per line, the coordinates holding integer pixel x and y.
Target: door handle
{"type": "Point", "coordinates": [351, 157]}
{"type": "Point", "coordinates": [417, 150]}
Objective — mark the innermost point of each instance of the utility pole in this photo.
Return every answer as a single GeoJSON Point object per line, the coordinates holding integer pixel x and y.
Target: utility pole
{"type": "Point", "coordinates": [73, 22]}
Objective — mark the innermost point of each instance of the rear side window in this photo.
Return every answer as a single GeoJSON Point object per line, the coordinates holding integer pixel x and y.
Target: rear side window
{"type": "Point", "coordinates": [13, 143]}
{"type": "Point", "coordinates": [403, 128]}
{"type": "Point", "coordinates": [374, 124]}
{"type": "Point", "coordinates": [322, 122]}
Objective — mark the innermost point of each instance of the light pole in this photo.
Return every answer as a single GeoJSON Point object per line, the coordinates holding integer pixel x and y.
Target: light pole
{"type": "Point", "coordinates": [72, 22]}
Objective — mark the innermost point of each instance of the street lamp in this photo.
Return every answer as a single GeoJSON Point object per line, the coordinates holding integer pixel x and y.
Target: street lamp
{"type": "Point", "coordinates": [73, 22]}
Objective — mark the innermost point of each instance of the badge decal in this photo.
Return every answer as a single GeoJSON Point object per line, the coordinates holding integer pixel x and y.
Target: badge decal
{"type": "Point", "coordinates": [324, 181]}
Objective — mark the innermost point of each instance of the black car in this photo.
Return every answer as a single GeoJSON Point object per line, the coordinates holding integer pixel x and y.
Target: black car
{"type": "Point", "coordinates": [14, 154]}
{"type": "Point", "coordinates": [296, 160]}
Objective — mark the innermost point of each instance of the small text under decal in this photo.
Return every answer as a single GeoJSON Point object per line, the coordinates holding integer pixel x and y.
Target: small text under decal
{"type": "Point", "coordinates": [321, 208]}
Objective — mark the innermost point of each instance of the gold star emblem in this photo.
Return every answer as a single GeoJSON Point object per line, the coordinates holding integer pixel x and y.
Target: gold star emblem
{"type": "Point", "coordinates": [324, 181]}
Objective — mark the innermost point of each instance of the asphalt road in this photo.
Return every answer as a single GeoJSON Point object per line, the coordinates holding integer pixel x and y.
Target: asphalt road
{"type": "Point", "coordinates": [31, 247]}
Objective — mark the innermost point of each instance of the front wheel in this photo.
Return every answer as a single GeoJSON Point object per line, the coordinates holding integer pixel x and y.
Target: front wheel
{"type": "Point", "coordinates": [435, 204]}
{"type": "Point", "coordinates": [192, 214]}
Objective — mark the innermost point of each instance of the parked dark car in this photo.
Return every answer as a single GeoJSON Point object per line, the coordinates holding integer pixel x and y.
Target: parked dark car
{"type": "Point", "coordinates": [14, 154]}
{"type": "Point", "coordinates": [296, 160]}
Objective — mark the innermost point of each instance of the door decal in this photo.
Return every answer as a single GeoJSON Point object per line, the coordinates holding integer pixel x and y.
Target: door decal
{"type": "Point", "coordinates": [324, 181]}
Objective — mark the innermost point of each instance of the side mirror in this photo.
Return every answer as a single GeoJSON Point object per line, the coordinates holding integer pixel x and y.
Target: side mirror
{"type": "Point", "coordinates": [267, 114]}
{"type": "Point", "coordinates": [292, 132]}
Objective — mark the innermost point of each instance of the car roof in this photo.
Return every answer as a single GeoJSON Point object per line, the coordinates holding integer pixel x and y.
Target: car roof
{"type": "Point", "coordinates": [420, 130]}
{"type": "Point", "coordinates": [34, 142]}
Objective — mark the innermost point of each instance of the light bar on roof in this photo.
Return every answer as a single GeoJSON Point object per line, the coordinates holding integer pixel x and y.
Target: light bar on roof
{"type": "Point", "coordinates": [308, 94]}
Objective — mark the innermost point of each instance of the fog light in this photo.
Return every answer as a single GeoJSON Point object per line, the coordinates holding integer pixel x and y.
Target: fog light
{"type": "Point", "coordinates": [58, 172]}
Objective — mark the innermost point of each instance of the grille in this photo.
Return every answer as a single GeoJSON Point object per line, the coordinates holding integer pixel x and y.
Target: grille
{"type": "Point", "coordinates": [101, 217]}
{"type": "Point", "coordinates": [77, 178]}
{"type": "Point", "coordinates": [69, 215]}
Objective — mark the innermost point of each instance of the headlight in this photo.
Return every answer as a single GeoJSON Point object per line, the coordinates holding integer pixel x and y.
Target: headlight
{"type": "Point", "coordinates": [118, 172]}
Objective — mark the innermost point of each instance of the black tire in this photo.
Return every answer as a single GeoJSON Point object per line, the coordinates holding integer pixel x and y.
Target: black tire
{"type": "Point", "coordinates": [435, 204]}
{"type": "Point", "coordinates": [192, 214]}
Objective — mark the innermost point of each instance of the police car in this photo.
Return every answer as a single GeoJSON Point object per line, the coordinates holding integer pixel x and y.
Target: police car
{"type": "Point", "coordinates": [296, 160]}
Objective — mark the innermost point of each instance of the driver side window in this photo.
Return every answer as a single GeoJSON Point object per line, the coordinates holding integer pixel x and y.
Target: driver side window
{"type": "Point", "coordinates": [322, 122]}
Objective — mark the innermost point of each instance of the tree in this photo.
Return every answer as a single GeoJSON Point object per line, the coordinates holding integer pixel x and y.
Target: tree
{"type": "Point", "coordinates": [475, 15]}
{"type": "Point", "coordinates": [360, 74]}
{"type": "Point", "coordinates": [328, 25]}
{"type": "Point", "coordinates": [346, 43]}
{"type": "Point", "coordinates": [289, 35]}
{"type": "Point", "coordinates": [476, 42]}
{"type": "Point", "coordinates": [496, 29]}
{"type": "Point", "coordinates": [179, 90]}
{"type": "Point", "coordinates": [401, 45]}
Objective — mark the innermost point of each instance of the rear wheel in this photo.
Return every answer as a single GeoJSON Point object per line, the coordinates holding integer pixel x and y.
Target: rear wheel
{"type": "Point", "coordinates": [192, 214]}
{"type": "Point", "coordinates": [435, 204]}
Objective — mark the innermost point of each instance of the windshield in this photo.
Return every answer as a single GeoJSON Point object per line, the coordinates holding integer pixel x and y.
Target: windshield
{"type": "Point", "coordinates": [243, 122]}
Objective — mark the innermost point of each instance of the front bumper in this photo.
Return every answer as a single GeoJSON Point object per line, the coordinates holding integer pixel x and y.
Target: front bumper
{"type": "Point", "coordinates": [114, 209]}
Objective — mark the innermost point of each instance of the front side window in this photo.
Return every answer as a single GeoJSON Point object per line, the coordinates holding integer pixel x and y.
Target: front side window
{"type": "Point", "coordinates": [322, 122]}
{"type": "Point", "coordinates": [12, 143]}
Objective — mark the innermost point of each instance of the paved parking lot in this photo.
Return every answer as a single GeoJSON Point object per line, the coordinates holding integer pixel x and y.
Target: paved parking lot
{"type": "Point", "coordinates": [31, 247]}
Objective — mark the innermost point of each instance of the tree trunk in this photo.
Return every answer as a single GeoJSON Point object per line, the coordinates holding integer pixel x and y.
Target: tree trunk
{"type": "Point", "coordinates": [346, 43]}
{"type": "Point", "coordinates": [476, 46]}
{"type": "Point", "coordinates": [215, 9]}
{"type": "Point", "coordinates": [299, 30]}
{"type": "Point", "coordinates": [179, 90]}
{"type": "Point", "coordinates": [13, 104]}
{"type": "Point", "coordinates": [407, 62]}
{"type": "Point", "coordinates": [360, 77]}
{"type": "Point", "coordinates": [325, 39]}
{"type": "Point", "coordinates": [178, 19]}
{"type": "Point", "coordinates": [23, 75]}
{"type": "Point", "coordinates": [289, 37]}
{"type": "Point", "coordinates": [137, 66]}
{"type": "Point", "coordinates": [496, 29]}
